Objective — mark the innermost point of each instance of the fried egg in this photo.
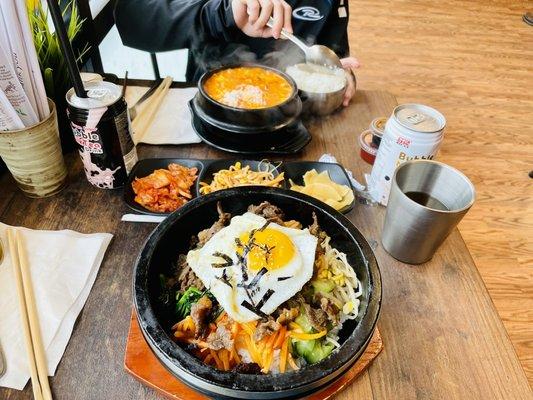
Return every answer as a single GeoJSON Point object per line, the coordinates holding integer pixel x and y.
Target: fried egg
{"type": "Point", "coordinates": [252, 266]}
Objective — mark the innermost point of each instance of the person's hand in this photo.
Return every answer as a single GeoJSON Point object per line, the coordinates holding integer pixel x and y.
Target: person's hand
{"type": "Point", "coordinates": [251, 17]}
{"type": "Point", "coordinates": [350, 64]}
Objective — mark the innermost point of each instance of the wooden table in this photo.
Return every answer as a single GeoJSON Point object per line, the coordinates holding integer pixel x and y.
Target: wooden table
{"type": "Point", "coordinates": [443, 338]}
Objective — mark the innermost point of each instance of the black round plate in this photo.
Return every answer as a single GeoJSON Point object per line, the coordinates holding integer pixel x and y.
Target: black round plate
{"type": "Point", "coordinates": [171, 238]}
{"type": "Point", "coordinates": [292, 140]}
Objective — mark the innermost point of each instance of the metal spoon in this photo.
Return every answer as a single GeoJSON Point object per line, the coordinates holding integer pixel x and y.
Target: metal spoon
{"type": "Point", "coordinates": [2, 358]}
{"type": "Point", "coordinates": [316, 54]}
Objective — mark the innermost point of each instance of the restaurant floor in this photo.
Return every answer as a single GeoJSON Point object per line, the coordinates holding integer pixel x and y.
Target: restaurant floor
{"type": "Point", "coordinates": [472, 60]}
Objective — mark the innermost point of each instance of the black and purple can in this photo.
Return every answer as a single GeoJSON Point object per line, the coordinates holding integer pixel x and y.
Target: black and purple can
{"type": "Point", "coordinates": [101, 128]}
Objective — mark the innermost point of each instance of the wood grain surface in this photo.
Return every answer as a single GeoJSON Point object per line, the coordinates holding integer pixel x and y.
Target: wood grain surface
{"type": "Point", "coordinates": [472, 60]}
{"type": "Point", "coordinates": [142, 363]}
{"type": "Point", "coordinates": [443, 336]}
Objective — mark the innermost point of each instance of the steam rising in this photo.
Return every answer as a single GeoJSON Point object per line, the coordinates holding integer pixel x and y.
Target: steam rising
{"type": "Point", "coordinates": [213, 55]}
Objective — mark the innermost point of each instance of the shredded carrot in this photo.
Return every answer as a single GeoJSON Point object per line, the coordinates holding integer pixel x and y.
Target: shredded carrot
{"type": "Point", "coordinates": [248, 329]}
{"type": "Point", "coordinates": [268, 361]}
{"type": "Point", "coordinates": [251, 349]}
{"type": "Point", "coordinates": [283, 355]}
{"type": "Point", "coordinates": [217, 360]}
{"type": "Point", "coordinates": [235, 355]}
{"type": "Point", "coordinates": [264, 357]}
{"type": "Point", "coordinates": [261, 352]}
{"type": "Point", "coordinates": [271, 340]}
{"type": "Point", "coordinates": [224, 359]}
{"type": "Point", "coordinates": [281, 337]}
{"type": "Point", "coordinates": [308, 336]}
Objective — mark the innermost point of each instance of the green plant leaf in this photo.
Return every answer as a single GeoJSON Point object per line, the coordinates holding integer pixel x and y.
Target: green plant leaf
{"type": "Point", "coordinates": [51, 61]}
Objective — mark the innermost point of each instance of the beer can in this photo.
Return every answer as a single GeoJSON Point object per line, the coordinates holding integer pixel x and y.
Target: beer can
{"type": "Point", "coordinates": [101, 128]}
{"type": "Point", "coordinates": [412, 132]}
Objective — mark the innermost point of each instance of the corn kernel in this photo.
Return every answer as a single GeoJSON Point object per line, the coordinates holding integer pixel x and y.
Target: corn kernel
{"type": "Point", "coordinates": [347, 308]}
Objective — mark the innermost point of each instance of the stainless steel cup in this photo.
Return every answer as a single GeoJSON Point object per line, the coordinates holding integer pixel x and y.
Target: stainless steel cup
{"type": "Point", "coordinates": [427, 200]}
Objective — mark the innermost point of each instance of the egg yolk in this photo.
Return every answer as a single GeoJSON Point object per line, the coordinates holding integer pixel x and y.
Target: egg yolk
{"type": "Point", "coordinates": [272, 249]}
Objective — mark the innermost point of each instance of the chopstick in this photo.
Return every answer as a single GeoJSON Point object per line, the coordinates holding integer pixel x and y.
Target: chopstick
{"type": "Point", "coordinates": [29, 318]}
{"type": "Point", "coordinates": [146, 115]}
{"type": "Point", "coordinates": [36, 387]}
{"type": "Point", "coordinates": [133, 110]}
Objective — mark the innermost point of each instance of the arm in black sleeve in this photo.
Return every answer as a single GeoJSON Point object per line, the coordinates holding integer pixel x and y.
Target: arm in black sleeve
{"type": "Point", "coordinates": [334, 34]}
{"type": "Point", "coordinates": [162, 25]}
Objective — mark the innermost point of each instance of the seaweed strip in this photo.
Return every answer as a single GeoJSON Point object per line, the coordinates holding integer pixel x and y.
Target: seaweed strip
{"type": "Point", "coordinates": [223, 256]}
{"type": "Point", "coordinates": [253, 309]}
{"type": "Point", "coordinates": [221, 265]}
{"type": "Point", "coordinates": [268, 294]}
{"type": "Point", "coordinates": [256, 279]}
{"type": "Point", "coordinates": [263, 227]}
{"type": "Point", "coordinates": [283, 278]}
{"type": "Point", "coordinates": [224, 280]}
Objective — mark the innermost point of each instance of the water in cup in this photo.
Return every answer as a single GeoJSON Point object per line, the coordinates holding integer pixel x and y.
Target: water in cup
{"type": "Point", "coordinates": [427, 200]}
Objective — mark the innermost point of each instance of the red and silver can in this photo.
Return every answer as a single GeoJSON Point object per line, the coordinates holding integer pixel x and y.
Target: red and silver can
{"type": "Point", "coordinates": [101, 128]}
{"type": "Point", "coordinates": [412, 132]}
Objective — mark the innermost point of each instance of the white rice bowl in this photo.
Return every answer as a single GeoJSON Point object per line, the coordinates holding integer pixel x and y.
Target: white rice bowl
{"type": "Point", "coordinates": [315, 78]}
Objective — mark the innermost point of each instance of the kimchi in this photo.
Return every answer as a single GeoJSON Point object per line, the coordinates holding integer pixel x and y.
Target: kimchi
{"type": "Point", "coordinates": [165, 190]}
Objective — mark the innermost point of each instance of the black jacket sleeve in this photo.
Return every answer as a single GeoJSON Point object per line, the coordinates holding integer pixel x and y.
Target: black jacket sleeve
{"type": "Point", "coordinates": [162, 25]}
{"type": "Point", "coordinates": [335, 32]}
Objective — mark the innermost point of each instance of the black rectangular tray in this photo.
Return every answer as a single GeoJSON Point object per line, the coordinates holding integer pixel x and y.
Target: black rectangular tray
{"type": "Point", "coordinates": [294, 170]}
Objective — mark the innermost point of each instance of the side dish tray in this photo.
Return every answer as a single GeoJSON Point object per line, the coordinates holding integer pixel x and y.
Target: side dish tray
{"type": "Point", "coordinates": [293, 170]}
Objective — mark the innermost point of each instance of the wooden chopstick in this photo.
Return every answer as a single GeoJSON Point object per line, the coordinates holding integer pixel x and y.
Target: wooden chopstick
{"type": "Point", "coordinates": [33, 317]}
{"type": "Point", "coordinates": [146, 115]}
{"type": "Point", "coordinates": [30, 318]}
{"type": "Point", "coordinates": [36, 387]}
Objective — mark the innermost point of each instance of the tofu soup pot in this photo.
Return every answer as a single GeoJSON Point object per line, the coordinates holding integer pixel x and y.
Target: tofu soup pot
{"type": "Point", "coordinates": [247, 121]}
{"type": "Point", "coordinates": [413, 132]}
{"type": "Point", "coordinates": [171, 238]}
{"type": "Point", "coordinates": [101, 128]}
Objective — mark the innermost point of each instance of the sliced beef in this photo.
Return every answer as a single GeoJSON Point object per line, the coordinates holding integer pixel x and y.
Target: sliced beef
{"type": "Point", "coordinates": [314, 229]}
{"type": "Point", "coordinates": [200, 312]}
{"type": "Point", "coordinates": [265, 328]}
{"type": "Point", "coordinates": [287, 315]}
{"type": "Point", "coordinates": [317, 317]}
{"type": "Point", "coordinates": [206, 234]}
{"type": "Point", "coordinates": [186, 277]}
{"type": "Point", "coordinates": [331, 310]}
{"type": "Point", "coordinates": [247, 368]}
{"type": "Point", "coordinates": [268, 211]}
{"type": "Point", "coordinates": [220, 339]}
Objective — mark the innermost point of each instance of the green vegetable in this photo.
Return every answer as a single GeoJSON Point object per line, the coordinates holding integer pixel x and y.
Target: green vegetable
{"type": "Point", "coordinates": [313, 351]}
{"type": "Point", "coordinates": [185, 301]}
{"type": "Point", "coordinates": [323, 286]}
{"type": "Point", "coordinates": [303, 320]}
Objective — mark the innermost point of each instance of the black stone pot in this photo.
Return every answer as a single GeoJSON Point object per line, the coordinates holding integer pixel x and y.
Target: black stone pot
{"type": "Point", "coordinates": [243, 121]}
{"type": "Point", "coordinates": [172, 237]}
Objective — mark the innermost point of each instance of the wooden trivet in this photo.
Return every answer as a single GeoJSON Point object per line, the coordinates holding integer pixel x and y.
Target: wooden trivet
{"type": "Point", "coordinates": [141, 362]}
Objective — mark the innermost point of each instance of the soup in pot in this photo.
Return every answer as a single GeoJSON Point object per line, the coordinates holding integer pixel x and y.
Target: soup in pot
{"type": "Point", "coordinates": [248, 87]}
